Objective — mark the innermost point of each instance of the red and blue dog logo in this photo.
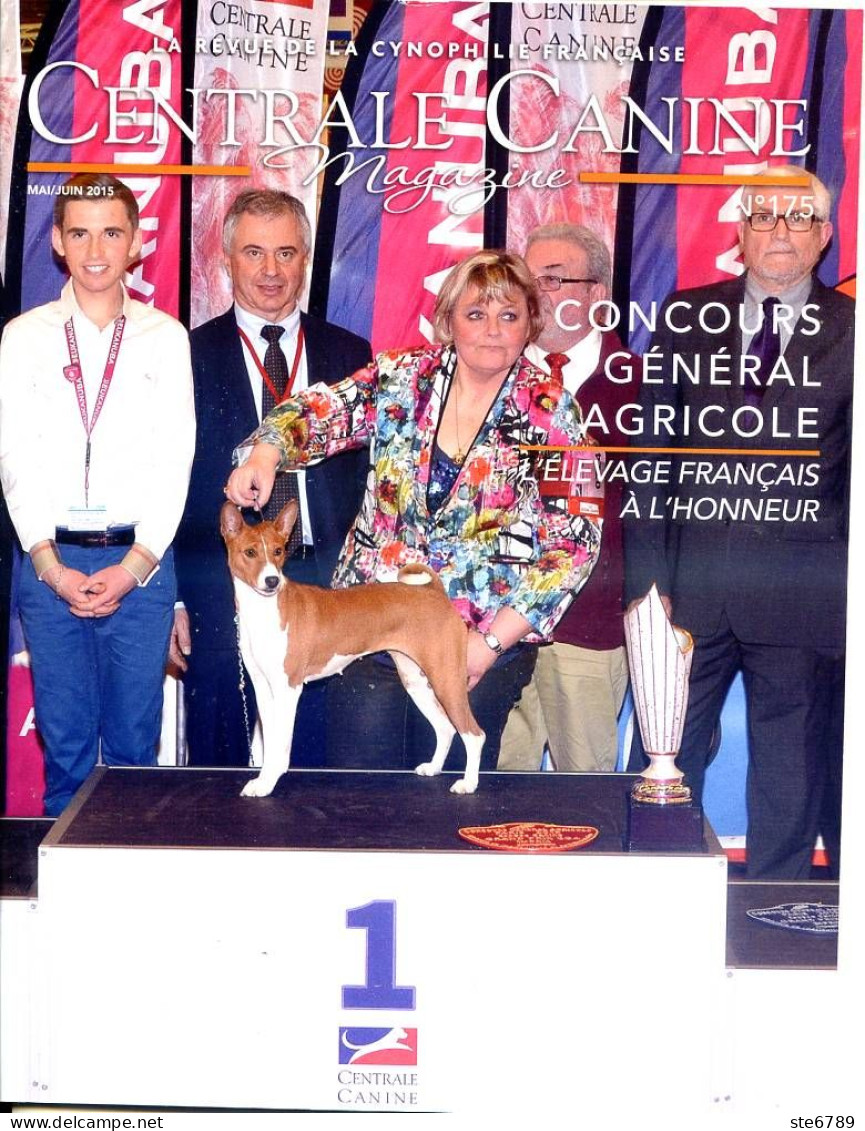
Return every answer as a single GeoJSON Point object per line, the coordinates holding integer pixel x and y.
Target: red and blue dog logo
{"type": "Point", "coordinates": [377, 1046]}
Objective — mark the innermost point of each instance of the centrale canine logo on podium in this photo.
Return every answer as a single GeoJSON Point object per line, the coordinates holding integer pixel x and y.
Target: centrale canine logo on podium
{"type": "Point", "coordinates": [377, 1046]}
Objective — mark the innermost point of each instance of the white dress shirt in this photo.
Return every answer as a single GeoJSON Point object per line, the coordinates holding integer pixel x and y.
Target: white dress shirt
{"type": "Point", "coordinates": [252, 324]}
{"type": "Point", "coordinates": [583, 360]}
{"type": "Point", "coordinates": [143, 442]}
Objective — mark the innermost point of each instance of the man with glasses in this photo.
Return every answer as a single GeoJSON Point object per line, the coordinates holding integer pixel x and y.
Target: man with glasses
{"type": "Point", "coordinates": [580, 679]}
{"type": "Point", "coordinates": [766, 598]}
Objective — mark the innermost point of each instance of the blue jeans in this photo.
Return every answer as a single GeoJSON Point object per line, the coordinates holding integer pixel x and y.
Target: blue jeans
{"type": "Point", "coordinates": [96, 682]}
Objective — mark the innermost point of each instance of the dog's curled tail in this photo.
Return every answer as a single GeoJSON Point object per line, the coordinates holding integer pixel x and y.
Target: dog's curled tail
{"type": "Point", "coordinates": [416, 574]}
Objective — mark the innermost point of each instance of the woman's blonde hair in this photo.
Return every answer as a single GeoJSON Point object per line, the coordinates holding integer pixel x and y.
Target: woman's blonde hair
{"type": "Point", "coordinates": [495, 274]}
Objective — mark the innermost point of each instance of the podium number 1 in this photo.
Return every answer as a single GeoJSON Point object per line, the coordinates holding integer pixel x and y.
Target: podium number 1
{"type": "Point", "coordinates": [378, 919]}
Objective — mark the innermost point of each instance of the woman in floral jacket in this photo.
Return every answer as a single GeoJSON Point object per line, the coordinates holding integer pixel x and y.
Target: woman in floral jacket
{"type": "Point", "coordinates": [454, 483]}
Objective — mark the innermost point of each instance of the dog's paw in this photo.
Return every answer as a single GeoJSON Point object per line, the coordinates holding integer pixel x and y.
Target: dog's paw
{"type": "Point", "coordinates": [257, 788]}
{"type": "Point", "coordinates": [427, 770]}
{"type": "Point", "coordinates": [463, 786]}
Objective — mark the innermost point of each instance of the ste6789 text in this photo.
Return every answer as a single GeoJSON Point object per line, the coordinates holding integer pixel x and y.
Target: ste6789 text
{"type": "Point", "coordinates": [823, 1121]}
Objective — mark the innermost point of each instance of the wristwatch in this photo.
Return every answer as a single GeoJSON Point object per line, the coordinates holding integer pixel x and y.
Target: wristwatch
{"type": "Point", "coordinates": [492, 641]}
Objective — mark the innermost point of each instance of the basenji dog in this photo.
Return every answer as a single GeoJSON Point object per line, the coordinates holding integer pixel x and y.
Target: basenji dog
{"type": "Point", "coordinates": [292, 633]}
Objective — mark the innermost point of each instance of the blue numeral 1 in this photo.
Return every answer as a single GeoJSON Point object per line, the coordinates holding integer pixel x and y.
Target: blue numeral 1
{"type": "Point", "coordinates": [378, 919]}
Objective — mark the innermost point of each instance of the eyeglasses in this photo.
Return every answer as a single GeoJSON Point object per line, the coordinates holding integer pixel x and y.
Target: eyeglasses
{"type": "Point", "coordinates": [795, 221]}
{"type": "Point", "coordinates": [554, 282]}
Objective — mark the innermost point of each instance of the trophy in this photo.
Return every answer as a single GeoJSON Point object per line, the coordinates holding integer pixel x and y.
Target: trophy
{"type": "Point", "coordinates": [660, 658]}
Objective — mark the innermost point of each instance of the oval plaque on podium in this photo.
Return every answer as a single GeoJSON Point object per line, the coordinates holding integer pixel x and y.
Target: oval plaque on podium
{"type": "Point", "coordinates": [529, 836]}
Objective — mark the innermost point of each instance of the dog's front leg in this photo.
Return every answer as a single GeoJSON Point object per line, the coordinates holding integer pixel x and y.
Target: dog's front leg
{"type": "Point", "coordinates": [277, 709]}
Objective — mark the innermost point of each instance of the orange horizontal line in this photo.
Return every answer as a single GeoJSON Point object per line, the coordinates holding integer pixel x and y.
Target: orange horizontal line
{"type": "Point", "coordinates": [687, 179]}
{"type": "Point", "coordinates": [815, 454]}
{"type": "Point", "coordinates": [137, 170]}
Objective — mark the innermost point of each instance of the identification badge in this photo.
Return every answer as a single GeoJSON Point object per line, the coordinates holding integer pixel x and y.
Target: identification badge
{"type": "Point", "coordinates": [575, 479]}
{"type": "Point", "coordinates": [87, 518]}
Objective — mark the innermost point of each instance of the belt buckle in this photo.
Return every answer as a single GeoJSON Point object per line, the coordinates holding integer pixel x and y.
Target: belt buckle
{"type": "Point", "coordinates": [93, 539]}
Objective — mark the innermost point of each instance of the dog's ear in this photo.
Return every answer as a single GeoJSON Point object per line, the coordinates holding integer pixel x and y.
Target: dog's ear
{"type": "Point", "coordinates": [230, 521]}
{"type": "Point", "coordinates": [287, 517]}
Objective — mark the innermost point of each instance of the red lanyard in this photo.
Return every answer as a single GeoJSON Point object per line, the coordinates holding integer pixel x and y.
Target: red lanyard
{"type": "Point", "coordinates": [72, 372]}
{"type": "Point", "coordinates": [265, 376]}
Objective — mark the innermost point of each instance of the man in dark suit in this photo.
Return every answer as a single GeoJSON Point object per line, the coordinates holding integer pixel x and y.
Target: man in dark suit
{"type": "Point", "coordinates": [244, 362]}
{"type": "Point", "coordinates": [750, 551]}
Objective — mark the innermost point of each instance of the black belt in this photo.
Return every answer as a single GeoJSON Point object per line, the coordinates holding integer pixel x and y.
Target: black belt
{"type": "Point", "coordinates": [95, 539]}
{"type": "Point", "coordinates": [303, 553]}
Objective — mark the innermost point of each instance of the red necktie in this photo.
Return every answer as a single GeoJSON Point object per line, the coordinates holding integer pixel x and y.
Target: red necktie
{"type": "Point", "coordinates": [557, 363]}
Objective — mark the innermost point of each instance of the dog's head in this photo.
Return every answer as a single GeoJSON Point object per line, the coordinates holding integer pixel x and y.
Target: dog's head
{"type": "Point", "coordinates": [256, 553]}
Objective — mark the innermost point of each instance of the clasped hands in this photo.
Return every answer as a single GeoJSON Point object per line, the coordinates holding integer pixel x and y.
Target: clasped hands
{"type": "Point", "coordinates": [98, 595]}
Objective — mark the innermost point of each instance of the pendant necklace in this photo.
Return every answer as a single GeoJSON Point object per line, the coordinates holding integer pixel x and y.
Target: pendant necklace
{"type": "Point", "coordinates": [460, 456]}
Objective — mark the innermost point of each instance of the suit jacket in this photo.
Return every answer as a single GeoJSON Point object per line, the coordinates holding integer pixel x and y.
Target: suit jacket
{"type": "Point", "coordinates": [225, 413]}
{"type": "Point", "coordinates": [779, 579]}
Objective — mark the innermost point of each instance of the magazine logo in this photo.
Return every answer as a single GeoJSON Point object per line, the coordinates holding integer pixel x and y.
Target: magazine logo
{"type": "Point", "coordinates": [377, 1046]}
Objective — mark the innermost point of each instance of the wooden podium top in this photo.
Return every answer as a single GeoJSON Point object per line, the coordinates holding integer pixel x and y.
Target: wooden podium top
{"type": "Point", "coordinates": [339, 810]}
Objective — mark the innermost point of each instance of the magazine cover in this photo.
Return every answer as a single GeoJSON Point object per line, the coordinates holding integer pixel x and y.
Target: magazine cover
{"type": "Point", "coordinates": [683, 180]}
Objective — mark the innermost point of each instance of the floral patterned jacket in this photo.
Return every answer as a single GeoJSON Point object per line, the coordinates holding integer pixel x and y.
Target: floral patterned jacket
{"type": "Point", "coordinates": [498, 539]}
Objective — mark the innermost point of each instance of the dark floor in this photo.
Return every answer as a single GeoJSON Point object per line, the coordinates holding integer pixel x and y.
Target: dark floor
{"type": "Point", "coordinates": [20, 838]}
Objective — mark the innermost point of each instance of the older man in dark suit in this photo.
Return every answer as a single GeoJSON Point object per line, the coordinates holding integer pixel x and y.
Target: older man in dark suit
{"type": "Point", "coordinates": [244, 362]}
{"type": "Point", "coordinates": [752, 553]}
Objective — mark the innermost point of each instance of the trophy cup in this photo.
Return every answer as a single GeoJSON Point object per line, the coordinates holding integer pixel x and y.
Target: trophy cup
{"type": "Point", "coordinates": [660, 658]}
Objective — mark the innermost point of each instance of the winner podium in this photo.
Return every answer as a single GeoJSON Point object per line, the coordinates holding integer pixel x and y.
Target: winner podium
{"type": "Point", "coordinates": [339, 946]}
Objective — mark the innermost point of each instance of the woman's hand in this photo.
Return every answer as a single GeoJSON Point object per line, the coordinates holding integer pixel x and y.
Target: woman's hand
{"type": "Point", "coordinates": [252, 484]}
{"type": "Point", "coordinates": [509, 628]}
{"type": "Point", "coordinates": [479, 659]}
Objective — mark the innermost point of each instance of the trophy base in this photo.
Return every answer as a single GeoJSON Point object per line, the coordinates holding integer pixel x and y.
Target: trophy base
{"type": "Point", "coordinates": [664, 827]}
{"type": "Point", "coordinates": [661, 792]}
